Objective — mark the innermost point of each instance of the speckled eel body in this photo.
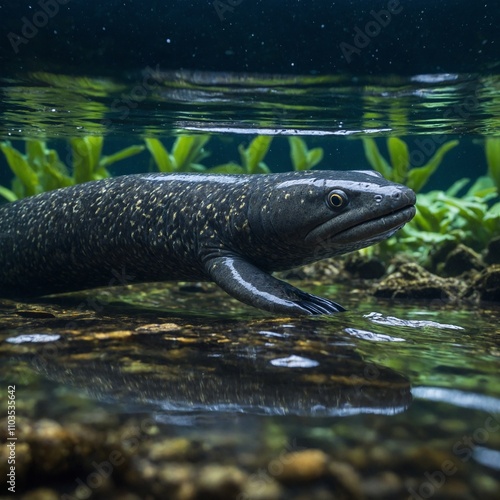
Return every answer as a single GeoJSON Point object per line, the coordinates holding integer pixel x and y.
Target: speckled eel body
{"type": "Point", "coordinates": [231, 229]}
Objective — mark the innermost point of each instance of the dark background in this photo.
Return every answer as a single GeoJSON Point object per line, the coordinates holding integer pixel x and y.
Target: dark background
{"type": "Point", "coordinates": [263, 36]}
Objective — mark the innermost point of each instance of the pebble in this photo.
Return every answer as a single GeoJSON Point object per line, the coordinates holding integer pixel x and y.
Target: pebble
{"type": "Point", "coordinates": [485, 485]}
{"type": "Point", "coordinates": [384, 485]}
{"type": "Point", "coordinates": [261, 487]}
{"type": "Point", "coordinates": [347, 477]}
{"type": "Point", "coordinates": [170, 449]}
{"type": "Point", "coordinates": [300, 466]}
{"type": "Point", "coordinates": [220, 481]}
{"type": "Point", "coordinates": [158, 328]}
{"type": "Point", "coordinates": [41, 494]}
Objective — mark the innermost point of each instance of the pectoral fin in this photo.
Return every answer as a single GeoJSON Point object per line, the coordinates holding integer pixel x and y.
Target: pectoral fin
{"type": "Point", "coordinates": [248, 283]}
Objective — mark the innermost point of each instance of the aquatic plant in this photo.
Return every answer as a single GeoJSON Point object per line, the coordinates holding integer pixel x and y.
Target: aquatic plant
{"type": "Point", "coordinates": [399, 169]}
{"type": "Point", "coordinates": [471, 219]}
{"type": "Point", "coordinates": [251, 157]}
{"type": "Point", "coordinates": [40, 168]}
{"type": "Point", "coordinates": [187, 153]}
{"type": "Point", "coordinates": [492, 151]}
{"type": "Point", "coordinates": [302, 157]}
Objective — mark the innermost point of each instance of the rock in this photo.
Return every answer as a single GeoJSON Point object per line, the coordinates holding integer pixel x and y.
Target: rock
{"type": "Point", "coordinates": [261, 487]}
{"type": "Point", "coordinates": [299, 466]}
{"type": "Point", "coordinates": [384, 485]}
{"type": "Point", "coordinates": [487, 284]}
{"type": "Point", "coordinates": [176, 481]}
{"type": "Point", "coordinates": [364, 267]}
{"type": "Point", "coordinates": [173, 449]}
{"type": "Point", "coordinates": [220, 482]}
{"type": "Point", "coordinates": [41, 494]}
{"type": "Point", "coordinates": [492, 255]}
{"type": "Point", "coordinates": [412, 281]}
{"type": "Point", "coordinates": [52, 446]}
{"type": "Point", "coordinates": [158, 328]}
{"type": "Point", "coordinates": [485, 486]}
{"type": "Point", "coordinates": [346, 476]}
{"type": "Point", "coordinates": [461, 260]}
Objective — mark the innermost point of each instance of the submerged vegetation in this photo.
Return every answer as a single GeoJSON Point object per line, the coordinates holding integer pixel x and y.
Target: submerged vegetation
{"type": "Point", "coordinates": [472, 218]}
{"type": "Point", "coordinates": [400, 169]}
{"type": "Point", "coordinates": [40, 169]}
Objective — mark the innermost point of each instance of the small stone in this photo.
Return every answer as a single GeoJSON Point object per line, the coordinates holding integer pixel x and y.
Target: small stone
{"type": "Point", "coordinates": [300, 466]}
{"type": "Point", "coordinates": [453, 426]}
{"type": "Point", "coordinates": [117, 334]}
{"type": "Point", "coordinates": [456, 489]}
{"type": "Point", "coordinates": [485, 485]}
{"type": "Point", "coordinates": [384, 485]}
{"type": "Point", "coordinates": [357, 457]}
{"type": "Point", "coordinates": [158, 328]}
{"type": "Point", "coordinates": [347, 477]}
{"type": "Point", "coordinates": [381, 456]}
{"type": "Point", "coordinates": [51, 446]}
{"type": "Point", "coordinates": [223, 482]}
{"type": "Point", "coordinates": [175, 474]}
{"type": "Point", "coordinates": [261, 488]}
{"type": "Point", "coordinates": [41, 494]}
{"type": "Point", "coordinates": [170, 449]}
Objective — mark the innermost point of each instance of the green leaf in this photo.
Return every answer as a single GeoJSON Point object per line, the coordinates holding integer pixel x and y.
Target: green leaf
{"type": "Point", "coordinates": [298, 153]}
{"type": "Point", "coordinates": [120, 155]}
{"type": "Point", "coordinates": [21, 168]}
{"type": "Point", "coordinates": [227, 168]}
{"type": "Point", "coordinates": [160, 155]}
{"type": "Point", "coordinates": [492, 150]}
{"type": "Point", "coordinates": [187, 150]}
{"type": "Point", "coordinates": [252, 156]}
{"type": "Point", "coordinates": [483, 188]}
{"type": "Point", "coordinates": [54, 172]}
{"type": "Point", "coordinates": [491, 220]}
{"type": "Point", "coordinates": [418, 177]}
{"type": "Point", "coordinates": [82, 159]}
{"type": "Point", "coordinates": [375, 159]}
{"type": "Point", "coordinates": [35, 153]}
{"type": "Point", "coordinates": [8, 194]}
{"type": "Point", "coordinates": [262, 168]}
{"type": "Point", "coordinates": [400, 159]}
{"type": "Point", "coordinates": [456, 187]}
{"type": "Point", "coordinates": [314, 156]}
{"type": "Point", "coordinates": [94, 143]}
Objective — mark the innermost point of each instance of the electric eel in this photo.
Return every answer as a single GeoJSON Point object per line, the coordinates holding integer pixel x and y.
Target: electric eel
{"type": "Point", "coordinates": [234, 230]}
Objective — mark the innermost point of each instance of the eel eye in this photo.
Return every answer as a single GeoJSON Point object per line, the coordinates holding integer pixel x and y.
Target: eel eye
{"type": "Point", "coordinates": [337, 199]}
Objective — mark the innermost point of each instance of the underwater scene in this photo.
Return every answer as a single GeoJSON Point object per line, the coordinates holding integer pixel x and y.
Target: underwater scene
{"type": "Point", "coordinates": [249, 250]}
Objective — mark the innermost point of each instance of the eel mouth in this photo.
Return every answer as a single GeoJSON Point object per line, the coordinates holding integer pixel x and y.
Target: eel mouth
{"type": "Point", "coordinates": [369, 230]}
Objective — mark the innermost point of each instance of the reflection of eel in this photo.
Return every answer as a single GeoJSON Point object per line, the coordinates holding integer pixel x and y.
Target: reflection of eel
{"type": "Point", "coordinates": [215, 373]}
{"type": "Point", "coordinates": [231, 229]}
